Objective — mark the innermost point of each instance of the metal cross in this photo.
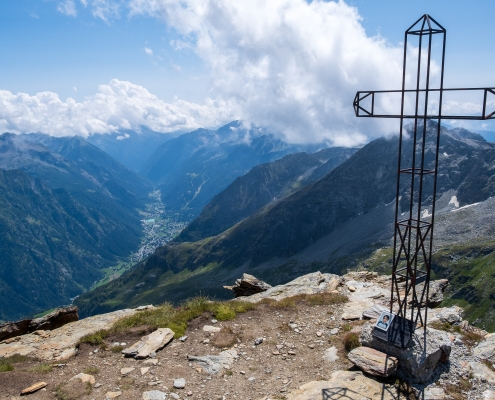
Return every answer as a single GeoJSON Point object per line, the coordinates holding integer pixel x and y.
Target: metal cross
{"type": "Point", "coordinates": [421, 102]}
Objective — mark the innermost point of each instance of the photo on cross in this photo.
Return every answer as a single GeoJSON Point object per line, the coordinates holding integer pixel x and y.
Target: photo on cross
{"type": "Point", "coordinates": [385, 320]}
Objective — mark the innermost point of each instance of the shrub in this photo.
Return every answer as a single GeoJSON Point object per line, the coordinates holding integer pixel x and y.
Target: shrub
{"type": "Point", "coordinates": [92, 370]}
{"type": "Point", "coordinates": [97, 338]}
{"type": "Point", "coordinates": [43, 368]}
{"type": "Point", "coordinates": [351, 341]}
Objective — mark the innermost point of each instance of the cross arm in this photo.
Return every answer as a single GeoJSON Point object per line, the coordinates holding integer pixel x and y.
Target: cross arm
{"type": "Point", "coordinates": [364, 103]}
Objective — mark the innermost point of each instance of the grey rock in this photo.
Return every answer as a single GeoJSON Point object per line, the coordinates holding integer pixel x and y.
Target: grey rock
{"type": "Point", "coordinates": [150, 344]}
{"type": "Point", "coordinates": [482, 372]}
{"type": "Point", "coordinates": [451, 315]}
{"type": "Point", "coordinates": [215, 364]}
{"type": "Point", "coordinates": [154, 395]}
{"type": "Point", "coordinates": [179, 383]}
{"type": "Point", "coordinates": [183, 338]}
{"type": "Point", "coordinates": [174, 396]}
{"type": "Point", "coordinates": [418, 361]}
{"type": "Point", "coordinates": [486, 349]}
{"type": "Point", "coordinates": [435, 393]}
{"type": "Point", "coordinates": [312, 283]}
{"type": "Point", "coordinates": [258, 341]}
{"type": "Point", "coordinates": [248, 285]}
{"type": "Point", "coordinates": [330, 354]}
{"type": "Point", "coordinates": [373, 362]}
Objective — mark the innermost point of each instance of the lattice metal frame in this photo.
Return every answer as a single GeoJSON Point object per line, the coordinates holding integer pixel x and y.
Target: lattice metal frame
{"type": "Point", "coordinates": [413, 235]}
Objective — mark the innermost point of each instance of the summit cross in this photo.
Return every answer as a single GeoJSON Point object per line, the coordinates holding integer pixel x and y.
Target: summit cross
{"type": "Point", "coordinates": [422, 96]}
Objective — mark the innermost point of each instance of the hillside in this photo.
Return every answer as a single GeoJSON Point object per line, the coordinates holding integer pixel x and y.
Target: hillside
{"type": "Point", "coordinates": [261, 185]}
{"type": "Point", "coordinates": [68, 211]}
{"type": "Point", "coordinates": [192, 168]}
{"type": "Point", "coordinates": [276, 242]}
{"type": "Point", "coordinates": [53, 247]}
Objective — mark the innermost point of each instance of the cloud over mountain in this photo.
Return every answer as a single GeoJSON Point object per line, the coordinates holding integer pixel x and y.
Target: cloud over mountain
{"type": "Point", "coordinates": [292, 66]}
{"type": "Point", "coordinates": [118, 105]}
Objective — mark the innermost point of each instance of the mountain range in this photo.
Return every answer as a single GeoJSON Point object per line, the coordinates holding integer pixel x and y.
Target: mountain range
{"type": "Point", "coordinates": [331, 224]}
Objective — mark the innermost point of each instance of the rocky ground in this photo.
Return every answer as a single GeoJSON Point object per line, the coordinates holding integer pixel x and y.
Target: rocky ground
{"type": "Point", "coordinates": [274, 351]}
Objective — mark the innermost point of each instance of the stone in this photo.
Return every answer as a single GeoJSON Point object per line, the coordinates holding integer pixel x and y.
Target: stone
{"type": "Point", "coordinates": [488, 395]}
{"type": "Point", "coordinates": [435, 294]}
{"type": "Point", "coordinates": [144, 370]}
{"type": "Point", "coordinates": [312, 283]}
{"type": "Point", "coordinates": [126, 371]}
{"type": "Point", "coordinates": [251, 379]}
{"type": "Point", "coordinates": [183, 338]}
{"type": "Point", "coordinates": [416, 362]}
{"type": "Point", "coordinates": [482, 372]}
{"type": "Point", "coordinates": [33, 388]}
{"type": "Point", "coordinates": [486, 349]}
{"type": "Point", "coordinates": [248, 285]}
{"type": "Point", "coordinates": [84, 378]}
{"type": "Point", "coordinates": [435, 393]}
{"type": "Point", "coordinates": [150, 362]}
{"type": "Point", "coordinates": [374, 311]}
{"type": "Point", "coordinates": [143, 308]}
{"type": "Point", "coordinates": [349, 385]}
{"type": "Point", "coordinates": [373, 362]}
{"type": "Point", "coordinates": [334, 331]}
{"type": "Point", "coordinates": [214, 365]}
{"type": "Point", "coordinates": [450, 315]}
{"type": "Point", "coordinates": [174, 396]}
{"type": "Point", "coordinates": [150, 344]}
{"type": "Point", "coordinates": [330, 354]}
{"type": "Point", "coordinates": [258, 341]}
{"type": "Point", "coordinates": [211, 329]}
{"type": "Point", "coordinates": [154, 395]}
{"type": "Point", "coordinates": [10, 330]}
{"type": "Point", "coordinates": [354, 310]}
{"type": "Point", "coordinates": [179, 383]}
{"type": "Point", "coordinates": [61, 343]}
{"type": "Point", "coordinates": [319, 333]}
{"type": "Point", "coordinates": [113, 394]}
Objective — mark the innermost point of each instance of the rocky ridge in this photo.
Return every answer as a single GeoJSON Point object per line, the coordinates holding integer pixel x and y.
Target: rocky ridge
{"type": "Point", "coordinates": [278, 350]}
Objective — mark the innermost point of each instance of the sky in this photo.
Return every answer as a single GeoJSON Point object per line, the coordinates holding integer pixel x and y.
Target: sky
{"type": "Point", "coordinates": [290, 66]}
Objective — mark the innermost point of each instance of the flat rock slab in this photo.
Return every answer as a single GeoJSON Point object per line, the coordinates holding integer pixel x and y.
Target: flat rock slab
{"type": "Point", "coordinates": [313, 283]}
{"type": "Point", "coordinates": [211, 329]}
{"type": "Point", "coordinates": [436, 393]}
{"type": "Point", "coordinates": [451, 315]}
{"type": "Point", "coordinates": [112, 395]}
{"type": "Point", "coordinates": [418, 361]}
{"type": "Point", "coordinates": [150, 343]}
{"type": "Point", "coordinates": [373, 362]}
{"type": "Point", "coordinates": [215, 364]}
{"type": "Point", "coordinates": [248, 285]}
{"type": "Point", "coordinates": [374, 311]}
{"type": "Point", "coordinates": [330, 354]}
{"type": "Point", "coordinates": [348, 385]}
{"type": "Point", "coordinates": [354, 310]}
{"type": "Point", "coordinates": [126, 371]}
{"type": "Point", "coordinates": [154, 395]}
{"type": "Point", "coordinates": [60, 344]}
{"type": "Point", "coordinates": [33, 388]}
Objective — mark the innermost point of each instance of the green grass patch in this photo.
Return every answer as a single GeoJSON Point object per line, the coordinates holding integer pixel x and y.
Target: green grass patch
{"type": "Point", "coordinates": [351, 341]}
{"type": "Point", "coordinates": [7, 363]}
{"type": "Point", "coordinates": [176, 318]}
{"type": "Point", "coordinates": [95, 339]}
{"type": "Point", "coordinates": [42, 368]}
{"type": "Point", "coordinates": [92, 370]}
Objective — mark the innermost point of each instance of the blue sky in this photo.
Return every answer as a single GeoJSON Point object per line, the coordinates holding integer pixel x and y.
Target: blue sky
{"type": "Point", "coordinates": [244, 64]}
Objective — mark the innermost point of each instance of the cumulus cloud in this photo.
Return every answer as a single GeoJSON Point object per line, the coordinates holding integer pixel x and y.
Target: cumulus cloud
{"type": "Point", "coordinates": [292, 66]}
{"type": "Point", "coordinates": [67, 7]}
{"type": "Point", "coordinates": [118, 105]}
{"type": "Point", "coordinates": [148, 51]}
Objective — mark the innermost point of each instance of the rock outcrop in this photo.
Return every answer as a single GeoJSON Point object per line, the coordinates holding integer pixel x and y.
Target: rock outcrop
{"type": "Point", "coordinates": [248, 285]}
{"type": "Point", "coordinates": [59, 344]}
{"type": "Point", "coordinates": [312, 283]}
{"type": "Point", "coordinates": [57, 318]}
{"type": "Point", "coordinates": [150, 344]}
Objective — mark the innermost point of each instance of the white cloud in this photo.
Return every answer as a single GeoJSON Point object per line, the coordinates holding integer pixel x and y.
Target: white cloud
{"type": "Point", "coordinates": [290, 65]}
{"type": "Point", "coordinates": [103, 9]}
{"type": "Point", "coordinates": [67, 7]}
{"type": "Point", "coordinates": [148, 51]}
{"type": "Point", "coordinates": [118, 105]}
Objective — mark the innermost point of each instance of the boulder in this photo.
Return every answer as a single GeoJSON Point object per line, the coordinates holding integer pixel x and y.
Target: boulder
{"type": "Point", "coordinates": [482, 372]}
{"type": "Point", "coordinates": [418, 361]}
{"type": "Point", "coordinates": [248, 285]}
{"type": "Point", "coordinates": [312, 283]}
{"type": "Point", "coordinates": [450, 315]}
{"type": "Point", "coordinates": [84, 378]}
{"type": "Point", "coordinates": [374, 311]}
{"type": "Point", "coordinates": [349, 385]}
{"type": "Point", "coordinates": [150, 344]}
{"type": "Point", "coordinates": [330, 354]}
{"type": "Point", "coordinates": [435, 393]}
{"type": "Point", "coordinates": [215, 364]}
{"type": "Point", "coordinates": [373, 362]}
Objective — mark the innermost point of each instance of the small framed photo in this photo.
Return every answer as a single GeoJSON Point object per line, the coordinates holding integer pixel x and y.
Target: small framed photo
{"type": "Point", "coordinates": [385, 320]}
